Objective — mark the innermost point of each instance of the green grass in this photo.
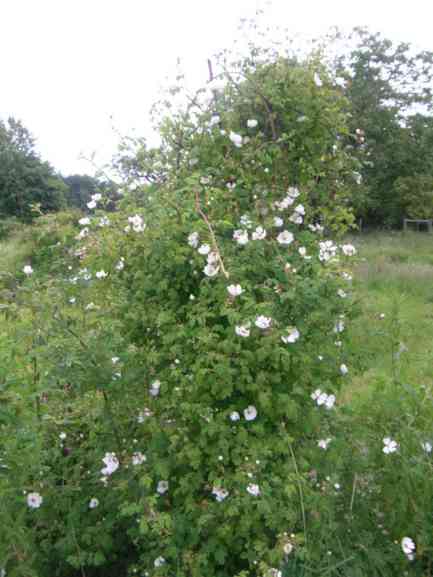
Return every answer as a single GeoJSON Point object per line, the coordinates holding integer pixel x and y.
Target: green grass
{"type": "Point", "coordinates": [394, 277]}
{"type": "Point", "coordinates": [15, 251]}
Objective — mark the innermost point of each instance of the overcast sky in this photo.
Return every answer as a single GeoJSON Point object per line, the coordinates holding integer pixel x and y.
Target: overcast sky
{"type": "Point", "coordinates": [67, 66]}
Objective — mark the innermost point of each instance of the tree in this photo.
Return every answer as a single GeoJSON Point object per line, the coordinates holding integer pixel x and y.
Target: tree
{"type": "Point", "coordinates": [390, 93]}
{"type": "Point", "coordinates": [27, 184]}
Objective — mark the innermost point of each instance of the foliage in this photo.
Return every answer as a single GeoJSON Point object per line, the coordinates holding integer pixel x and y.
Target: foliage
{"type": "Point", "coordinates": [416, 194]}
{"type": "Point", "coordinates": [27, 185]}
{"type": "Point", "coordinates": [171, 374]}
{"type": "Point", "coordinates": [389, 88]}
{"type": "Point", "coordinates": [81, 187]}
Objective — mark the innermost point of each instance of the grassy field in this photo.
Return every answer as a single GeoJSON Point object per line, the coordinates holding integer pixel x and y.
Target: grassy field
{"type": "Point", "coordinates": [393, 336]}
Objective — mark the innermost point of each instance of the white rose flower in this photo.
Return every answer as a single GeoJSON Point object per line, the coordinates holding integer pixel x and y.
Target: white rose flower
{"type": "Point", "coordinates": [121, 264]}
{"type": "Point", "coordinates": [93, 503]}
{"type": "Point", "coordinates": [111, 464]}
{"type": "Point", "coordinates": [137, 223]}
{"type": "Point", "coordinates": [212, 258]}
{"type": "Point", "coordinates": [27, 270]}
{"type": "Point", "coordinates": [84, 221]}
{"type": "Point", "coordinates": [234, 416]}
{"type": "Point", "coordinates": [220, 494]}
{"type": "Point", "coordinates": [101, 274]}
{"type": "Point", "coordinates": [138, 458]}
{"type": "Point", "coordinates": [263, 322]}
{"type": "Point", "coordinates": [204, 249]}
{"type": "Point", "coordinates": [253, 489]}
{"type": "Point", "coordinates": [210, 270]}
{"type": "Point", "coordinates": [245, 221]}
{"type": "Point", "coordinates": [427, 446]}
{"type": "Point", "coordinates": [235, 290]}
{"type": "Point", "coordinates": [154, 388]}
{"type": "Point", "coordinates": [323, 443]}
{"type": "Point", "coordinates": [236, 139]}
{"type": "Point", "coordinates": [292, 336]}
{"type": "Point", "coordinates": [159, 562]}
{"type": "Point", "coordinates": [285, 237]}
{"type": "Point", "coordinates": [330, 401]}
{"type": "Point", "coordinates": [343, 369]}
{"type": "Point", "coordinates": [242, 330]}
{"type": "Point", "coordinates": [193, 239]}
{"type": "Point", "coordinates": [296, 218]}
{"type": "Point", "coordinates": [241, 236]}
{"type": "Point", "coordinates": [91, 204]}
{"type": "Point", "coordinates": [389, 446]}
{"type": "Point", "coordinates": [259, 233]}
{"type": "Point", "coordinates": [408, 546]}
{"type": "Point", "coordinates": [278, 222]}
{"type": "Point", "coordinates": [348, 249]}
{"type": "Point", "coordinates": [252, 123]}
{"type": "Point", "coordinates": [162, 487]}
{"type": "Point", "coordinates": [250, 413]}
{"type": "Point", "coordinates": [34, 500]}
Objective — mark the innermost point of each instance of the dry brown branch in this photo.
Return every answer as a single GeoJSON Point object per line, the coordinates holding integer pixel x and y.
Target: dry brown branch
{"type": "Point", "coordinates": [211, 231]}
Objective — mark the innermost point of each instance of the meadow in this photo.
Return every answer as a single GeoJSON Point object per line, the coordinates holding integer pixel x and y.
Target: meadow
{"type": "Point", "coordinates": [393, 336]}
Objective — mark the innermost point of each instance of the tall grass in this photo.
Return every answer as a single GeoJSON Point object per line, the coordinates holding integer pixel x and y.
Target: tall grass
{"type": "Point", "coordinates": [394, 285]}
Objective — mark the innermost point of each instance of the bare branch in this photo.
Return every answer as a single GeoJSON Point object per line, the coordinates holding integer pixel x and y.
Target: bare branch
{"type": "Point", "coordinates": [211, 231]}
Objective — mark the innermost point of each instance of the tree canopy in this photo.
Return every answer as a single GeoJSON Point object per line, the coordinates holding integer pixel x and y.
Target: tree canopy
{"type": "Point", "coordinates": [27, 184]}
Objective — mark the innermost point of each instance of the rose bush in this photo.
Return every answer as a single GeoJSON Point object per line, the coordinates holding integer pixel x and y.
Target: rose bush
{"type": "Point", "coordinates": [177, 407]}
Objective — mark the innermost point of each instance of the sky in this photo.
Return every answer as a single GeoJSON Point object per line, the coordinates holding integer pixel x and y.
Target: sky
{"type": "Point", "coordinates": [79, 72]}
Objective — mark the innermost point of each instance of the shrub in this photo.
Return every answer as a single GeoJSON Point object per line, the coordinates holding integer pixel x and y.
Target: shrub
{"type": "Point", "coordinates": [183, 367]}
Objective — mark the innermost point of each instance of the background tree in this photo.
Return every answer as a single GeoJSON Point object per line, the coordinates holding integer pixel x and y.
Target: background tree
{"type": "Point", "coordinates": [80, 187]}
{"type": "Point", "coordinates": [27, 184]}
{"type": "Point", "coordinates": [389, 87]}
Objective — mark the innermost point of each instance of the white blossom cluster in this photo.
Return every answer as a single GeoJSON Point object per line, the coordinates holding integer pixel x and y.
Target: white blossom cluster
{"type": "Point", "coordinates": [136, 224]}
{"type": "Point", "coordinates": [94, 199]}
{"type": "Point", "coordinates": [389, 446]}
{"type": "Point", "coordinates": [327, 250]}
{"type": "Point", "coordinates": [111, 464]}
{"type": "Point", "coordinates": [212, 267]}
{"type": "Point", "coordinates": [323, 399]}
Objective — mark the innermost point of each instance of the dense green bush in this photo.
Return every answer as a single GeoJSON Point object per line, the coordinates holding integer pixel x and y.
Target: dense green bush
{"type": "Point", "coordinates": [172, 407]}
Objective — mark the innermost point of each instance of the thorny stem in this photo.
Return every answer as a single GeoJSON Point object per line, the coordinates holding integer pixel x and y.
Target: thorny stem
{"type": "Point", "coordinates": [211, 231]}
{"type": "Point", "coordinates": [35, 382]}
{"type": "Point", "coordinates": [352, 499]}
{"type": "Point", "coordinates": [301, 493]}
